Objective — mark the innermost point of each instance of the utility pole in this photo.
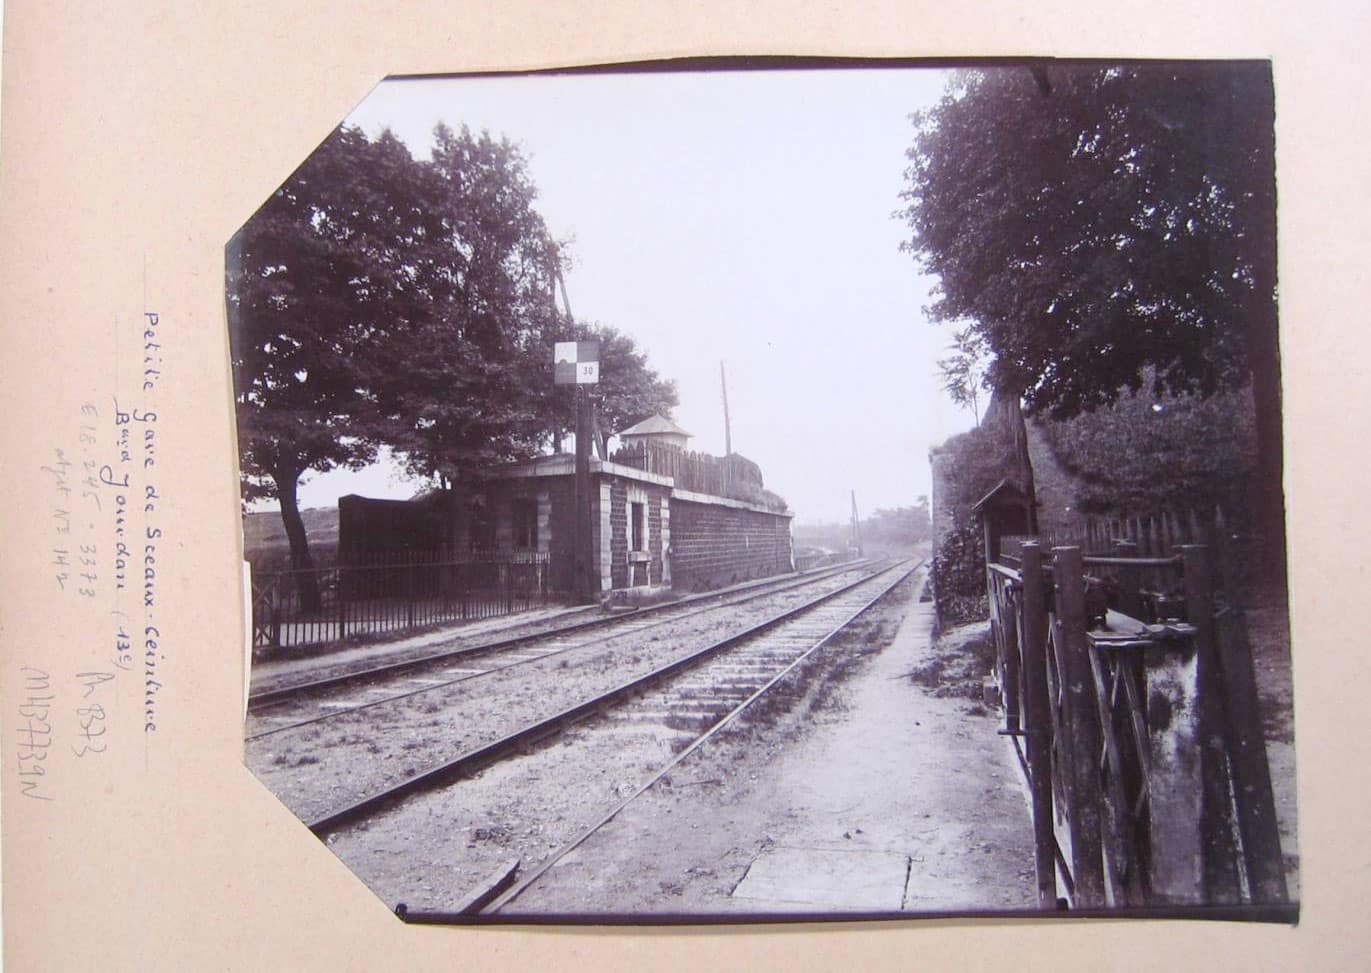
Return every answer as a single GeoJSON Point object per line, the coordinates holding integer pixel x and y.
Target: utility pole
{"type": "Point", "coordinates": [728, 432]}
{"type": "Point", "coordinates": [578, 363]}
{"type": "Point", "coordinates": [854, 543]}
{"type": "Point", "coordinates": [582, 561]}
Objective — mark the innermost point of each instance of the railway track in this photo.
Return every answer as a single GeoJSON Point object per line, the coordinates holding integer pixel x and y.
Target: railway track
{"type": "Point", "coordinates": [676, 708]}
{"type": "Point", "coordinates": [378, 685]}
{"type": "Point", "coordinates": [333, 676]}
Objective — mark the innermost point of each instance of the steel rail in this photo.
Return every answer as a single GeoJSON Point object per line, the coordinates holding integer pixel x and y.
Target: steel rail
{"type": "Point", "coordinates": [285, 693]}
{"type": "Point", "coordinates": [483, 650]}
{"type": "Point", "coordinates": [519, 887]}
{"type": "Point", "coordinates": [531, 734]}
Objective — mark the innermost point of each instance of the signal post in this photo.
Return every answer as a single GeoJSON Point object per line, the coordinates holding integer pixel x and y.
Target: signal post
{"type": "Point", "coordinates": [578, 363]}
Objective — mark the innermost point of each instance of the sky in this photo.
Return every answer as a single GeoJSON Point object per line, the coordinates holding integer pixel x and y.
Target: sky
{"type": "Point", "coordinates": [737, 216]}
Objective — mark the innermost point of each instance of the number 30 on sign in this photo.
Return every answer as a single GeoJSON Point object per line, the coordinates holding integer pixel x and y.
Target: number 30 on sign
{"type": "Point", "coordinates": [576, 363]}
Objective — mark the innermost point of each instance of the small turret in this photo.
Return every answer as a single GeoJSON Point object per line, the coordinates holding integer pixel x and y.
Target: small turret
{"type": "Point", "coordinates": [655, 429]}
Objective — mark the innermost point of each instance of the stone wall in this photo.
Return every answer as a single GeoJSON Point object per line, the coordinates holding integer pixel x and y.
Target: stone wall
{"type": "Point", "coordinates": [957, 573]}
{"type": "Point", "coordinates": [618, 536]}
{"type": "Point", "coordinates": [713, 545]}
{"type": "Point", "coordinates": [940, 464]}
{"type": "Point", "coordinates": [621, 567]}
{"type": "Point", "coordinates": [655, 543]}
{"type": "Point", "coordinates": [693, 543]}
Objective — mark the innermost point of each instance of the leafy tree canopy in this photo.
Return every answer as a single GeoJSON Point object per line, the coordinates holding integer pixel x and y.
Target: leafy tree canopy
{"type": "Point", "coordinates": [900, 526]}
{"type": "Point", "coordinates": [1093, 220]}
{"type": "Point", "coordinates": [963, 371]}
{"type": "Point", "coordinates": [463, 389]}
{"type": "Point", "coordinates": [629, 389]}
{"type": "Point", "coordinates": [315, 279]}
{"type": "Point", "coordinates": [379, 299]}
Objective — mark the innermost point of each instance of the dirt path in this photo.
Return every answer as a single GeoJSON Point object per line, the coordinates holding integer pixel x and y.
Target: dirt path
{"type": "Point", "coordinates": [873, 796]}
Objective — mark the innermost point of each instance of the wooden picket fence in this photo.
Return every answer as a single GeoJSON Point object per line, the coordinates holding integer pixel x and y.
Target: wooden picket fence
{"type": "Point", "coordinates": [1159, 534]}
{"type": "Point", "coordinates": [720, 476]}
{"type": "Point", "coordinates": [1137, 726]}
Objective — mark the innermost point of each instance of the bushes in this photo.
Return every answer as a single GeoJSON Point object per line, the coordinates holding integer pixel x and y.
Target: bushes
{"type": "Point", "coordinates": [959, 576]}
{"type": "Point", "coordinates": [978, 460]}
{"type": "Point", "coordinates": [1150, 452]}
{"type": "Point", "coordinates": [1144, 454]}
{"type": "Point", "coordinates": [974, 463]}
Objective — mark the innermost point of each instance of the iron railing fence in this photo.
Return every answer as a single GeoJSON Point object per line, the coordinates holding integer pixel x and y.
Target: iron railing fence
{"type": "Point", "coordinates": [298, 608]}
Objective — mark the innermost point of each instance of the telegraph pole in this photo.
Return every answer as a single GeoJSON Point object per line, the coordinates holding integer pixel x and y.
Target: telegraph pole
{"type": "Point", "coordinates": [583, 589]}
{"type": "Point", "coordinates": [856, 531]}
{"type": "Point", "coordinates": [578, 363]}
{"type": "Point", "coordinates": [728, 432]}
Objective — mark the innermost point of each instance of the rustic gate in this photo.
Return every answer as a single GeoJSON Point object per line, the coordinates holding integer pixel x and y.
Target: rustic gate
{"type": "Point", "coordinates": [1139, 733]}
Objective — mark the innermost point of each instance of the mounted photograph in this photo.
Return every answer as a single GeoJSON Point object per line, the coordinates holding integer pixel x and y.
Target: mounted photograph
{"type": "Point", "coordinates": [894, 528]}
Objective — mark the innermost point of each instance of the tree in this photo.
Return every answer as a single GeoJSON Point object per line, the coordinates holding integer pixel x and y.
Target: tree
{"type": "Point", "coordinates": [1096, 220]}
{"type": "Point", "coordinates": [963, 371]}
{"type": "Point", "coordinates": [629, 390]}
{"type": "Point", "coordinates": [311, 286]}
{"type": "Point", "coordinates": [377, 299]}
{"type": "Point", "coordinates": [483, 391]}
{"type": "Point", "coordinates": [466, 385]}
{"type": "Point", "coordinates": [900, 527]}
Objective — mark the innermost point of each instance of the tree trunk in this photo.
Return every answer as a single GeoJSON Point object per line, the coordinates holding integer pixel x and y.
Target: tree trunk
{"type": "Point", "coordinates": [1004, 417]}
{"type": "Point", "coordinates": [306, 581]}
{"type": "Point", "coordinates": [453, 507]}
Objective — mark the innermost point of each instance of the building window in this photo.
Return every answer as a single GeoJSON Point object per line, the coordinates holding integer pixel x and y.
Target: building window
{"type": "Point", "coordinates": [525, 525]}
{"type": "Point", "coordinates": [638, 524]}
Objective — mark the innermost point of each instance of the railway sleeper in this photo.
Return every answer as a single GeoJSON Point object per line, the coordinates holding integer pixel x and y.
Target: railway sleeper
{"type": "Point", "coordinates": [702, 706]}
{"type": "Point", "coordinates": [743, 668]}
{"type": "Point", "coordinates": [735, 691]}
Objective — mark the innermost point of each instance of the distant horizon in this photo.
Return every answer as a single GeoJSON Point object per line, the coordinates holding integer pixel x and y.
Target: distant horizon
{"type": "Point", "coordinates": [796, 520]}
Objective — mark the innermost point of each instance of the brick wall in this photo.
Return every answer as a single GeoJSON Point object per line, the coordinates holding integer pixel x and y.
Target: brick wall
{"type": "Point", "coordinates": [713, 545]}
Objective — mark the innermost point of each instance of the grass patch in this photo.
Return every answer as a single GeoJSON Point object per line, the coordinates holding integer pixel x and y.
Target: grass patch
{"type": "Point", "coordinates": [961, 659]}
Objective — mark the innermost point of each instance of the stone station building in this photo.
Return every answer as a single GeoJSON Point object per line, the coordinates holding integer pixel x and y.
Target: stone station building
{"type": "Point", "coordinates": [661, 517]}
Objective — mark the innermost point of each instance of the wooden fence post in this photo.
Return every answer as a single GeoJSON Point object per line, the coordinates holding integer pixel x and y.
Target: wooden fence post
{"type": "Point", "coordinates": [1175, 780]}
{"type": "Point", "coordinates": [1130, 580]}
{"type": "Point", "coordinates": [1038, 717]}
{"type": "Point", "coordinates": [1082, 721]}
{"type": "Point", "coordinates": [1011, 691]}
{"type": "Point", "coordinates": [1219, 853]}
{"type": "Point", "coordinates": [1252, 791]}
